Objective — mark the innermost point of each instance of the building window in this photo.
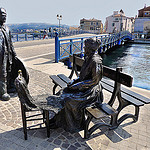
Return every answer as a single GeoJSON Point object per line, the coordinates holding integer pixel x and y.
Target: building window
{"type": "Point", "coordinates": [91, 23]}
{"type": "Point", "coordinates": [97, 23]}
{"type": "Point", "coordinates": [116, 18]}
{"type": "Point", "coordinates": [113, 24]}
{"type": "Point", "coordinates": [91, 28]}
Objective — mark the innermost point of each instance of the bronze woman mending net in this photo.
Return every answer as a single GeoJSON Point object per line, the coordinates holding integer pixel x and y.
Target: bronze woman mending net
{"type": "Point", "coordinates": [80, 93]}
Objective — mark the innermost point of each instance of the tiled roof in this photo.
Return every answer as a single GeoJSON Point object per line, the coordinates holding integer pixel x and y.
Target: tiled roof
{"type": "Point", "coordinates": [145, 8]}
{"type": "Point", "coordinates": [93, 19]}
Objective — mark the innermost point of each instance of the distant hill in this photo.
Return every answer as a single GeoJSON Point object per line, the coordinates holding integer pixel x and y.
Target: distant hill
{"type": "Point", "coordinates": [35, 26]}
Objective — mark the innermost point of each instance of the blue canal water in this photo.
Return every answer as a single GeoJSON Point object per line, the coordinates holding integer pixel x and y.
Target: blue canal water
{"type": "Point", "coordinates": [135, 60]}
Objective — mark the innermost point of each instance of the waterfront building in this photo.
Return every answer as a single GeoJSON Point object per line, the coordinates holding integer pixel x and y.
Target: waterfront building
{"type": "Point", "coordinates": [92, 25]}
{"type": "Point", "coordinates": [119, 22]}
{"type": "Point", "coordinates": [142, 22]}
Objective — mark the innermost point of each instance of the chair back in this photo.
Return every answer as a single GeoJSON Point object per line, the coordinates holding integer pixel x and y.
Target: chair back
{"type": "Point", "coordinates": [23, 92]}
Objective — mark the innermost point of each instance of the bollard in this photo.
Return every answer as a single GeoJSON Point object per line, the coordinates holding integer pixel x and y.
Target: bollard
{"type": "Point", "coordinates": [69, 64]}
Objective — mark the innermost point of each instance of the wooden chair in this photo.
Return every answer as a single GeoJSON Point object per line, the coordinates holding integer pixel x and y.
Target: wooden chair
{"type": "Point", "coordinates": [28, 105]}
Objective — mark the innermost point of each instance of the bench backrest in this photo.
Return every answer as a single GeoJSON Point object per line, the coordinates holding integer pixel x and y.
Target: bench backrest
{"type": "Point", "coordinates": [108, 72]}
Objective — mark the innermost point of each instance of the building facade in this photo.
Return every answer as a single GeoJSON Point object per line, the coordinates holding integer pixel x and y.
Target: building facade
{"type": "Point", "coordinates": [142, 22]}
{"type": "Point", "coordinates": [118, 22]}
{"type": "Point", "coordinates": [93, 25]}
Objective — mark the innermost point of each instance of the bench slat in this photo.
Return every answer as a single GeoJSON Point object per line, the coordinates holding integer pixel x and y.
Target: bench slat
{"type": "Point", "coordinates": [126, 97]}
{"type": "Point", "coordinates": [107, 109]}
{"type": "Point", "coordinates": [58, 81]}
{"type": "Point", "coordinates": [96, 113]}
{"type": "Point", "coordinates": [128, 92]}
{"type": "Point", "coordinates": [64, 78]}
{"type": "Point", "coordinates": [131, 99]}
{"type": "Point", "coordinates": [136, 95]}
{"type": "Point", "coordinates": [107, 87]}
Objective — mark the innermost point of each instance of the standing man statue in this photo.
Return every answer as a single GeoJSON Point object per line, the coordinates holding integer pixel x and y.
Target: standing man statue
{"type": "Point", "coordinates": [7, 54]}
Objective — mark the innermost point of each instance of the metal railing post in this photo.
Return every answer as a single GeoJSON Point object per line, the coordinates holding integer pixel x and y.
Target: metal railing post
{"type": "Point", "coordinates": [33, 36]}
{"type": "Point", "coordinates": [57, 48]}
{"type": "Point", "coordinates": [17, 37]}
{"type": "Point", "coordinates": [71, 47]}
{"type": "Point", "coordinates": [26, 37]}
{"type": "Point", "coordinates": [81, 55]}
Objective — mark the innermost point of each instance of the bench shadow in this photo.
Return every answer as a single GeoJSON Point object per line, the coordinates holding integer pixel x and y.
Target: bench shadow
{"type": "Point", "coordinates": [115, 135]}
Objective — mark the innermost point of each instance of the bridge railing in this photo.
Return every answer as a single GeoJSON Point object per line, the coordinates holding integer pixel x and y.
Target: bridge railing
{"type": "Point", "coordinates": [66, 47]}
{"type": "Point", "coordinates": [37, 36]}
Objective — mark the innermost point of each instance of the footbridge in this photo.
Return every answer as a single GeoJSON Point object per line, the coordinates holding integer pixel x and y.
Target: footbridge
{"type": "Point", "coordinates": [66, 47]}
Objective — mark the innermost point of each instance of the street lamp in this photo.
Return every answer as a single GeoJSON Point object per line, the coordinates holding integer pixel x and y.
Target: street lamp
{"type": "Point", "coordinates": [59, 17]}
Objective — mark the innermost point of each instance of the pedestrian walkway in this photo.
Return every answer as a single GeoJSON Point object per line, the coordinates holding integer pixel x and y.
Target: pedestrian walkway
{"type": "Point", "coordinates": [128, 136]}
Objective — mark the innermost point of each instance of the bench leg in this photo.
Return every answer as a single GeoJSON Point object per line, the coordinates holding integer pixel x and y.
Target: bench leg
{"type": "Point", "coordinates": [24, 121]}
{"type": "Point", "coordinates": [137, 109]}
{"type": "Point", "coordinates": [114, 123]}
{"type": "Point", "coordinates": [88, 132]}
{"type": "Point", "coordinates": [87, 122]}
{"type": "Point", "coordinates": [126, 116]}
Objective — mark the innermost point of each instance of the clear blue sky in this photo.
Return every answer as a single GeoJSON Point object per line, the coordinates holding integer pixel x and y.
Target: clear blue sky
{"type": "Point", "coordinates": [45, 11]}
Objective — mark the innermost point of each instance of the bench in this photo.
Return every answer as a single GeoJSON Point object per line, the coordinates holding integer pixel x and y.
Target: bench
{"type": "Point", "coordinates": [111, 82]}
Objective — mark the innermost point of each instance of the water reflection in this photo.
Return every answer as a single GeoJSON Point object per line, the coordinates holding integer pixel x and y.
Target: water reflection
{"type": "Point", "coordinates": [135, 60]}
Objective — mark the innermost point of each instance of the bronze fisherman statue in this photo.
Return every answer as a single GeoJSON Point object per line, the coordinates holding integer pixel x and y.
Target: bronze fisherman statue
{"type": "Point", "coordinates": [7, 53]}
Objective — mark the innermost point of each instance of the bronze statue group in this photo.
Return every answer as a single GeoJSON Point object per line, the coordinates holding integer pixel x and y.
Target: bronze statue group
{"type": "Point", "coordinates": [71, 101]}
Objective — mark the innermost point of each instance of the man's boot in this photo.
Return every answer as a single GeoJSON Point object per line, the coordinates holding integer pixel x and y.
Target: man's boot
{"type": "Point", "coordinates": [3, 91]}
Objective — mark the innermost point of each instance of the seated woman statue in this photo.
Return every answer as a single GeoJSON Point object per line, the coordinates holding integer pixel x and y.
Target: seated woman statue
{"type": "Point", "coordinates": [82, 91]}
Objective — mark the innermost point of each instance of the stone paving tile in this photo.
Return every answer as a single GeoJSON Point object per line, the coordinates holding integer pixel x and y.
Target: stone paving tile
{"type": "Point", "coordinates": [135, 136]}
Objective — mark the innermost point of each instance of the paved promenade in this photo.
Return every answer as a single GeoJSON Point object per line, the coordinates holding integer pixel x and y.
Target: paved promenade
{"type": "Point", "coordinates": [39, 60]}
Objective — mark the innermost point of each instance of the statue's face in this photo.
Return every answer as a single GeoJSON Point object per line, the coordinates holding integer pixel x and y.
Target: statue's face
{"type": "Point", "coordinates": [2, 15]}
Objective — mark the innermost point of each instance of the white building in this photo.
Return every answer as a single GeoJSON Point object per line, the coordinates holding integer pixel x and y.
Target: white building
{"type": "Point", "coordinates": [142, 23]}
{"type": "Point", "coordinates": [118, 22]}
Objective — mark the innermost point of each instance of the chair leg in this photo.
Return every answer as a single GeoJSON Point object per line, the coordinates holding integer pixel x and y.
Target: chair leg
{"type": "Point", "coordinates": [47, 123]}
{"type": "Point", "coordinates": [24, 121]}
{"type": "Point", "coordinates": [43, 112]}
